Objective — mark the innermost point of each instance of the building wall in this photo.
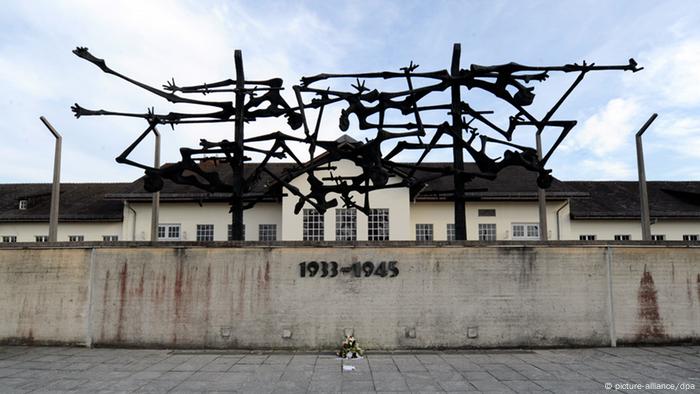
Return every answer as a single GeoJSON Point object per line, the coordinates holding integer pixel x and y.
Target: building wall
{"type": "Point", "coordinates": [26, 232]}
{"type": "Point", "coordinates": [255, 297]}
{"type": "Point", "coordinates": [396, 200]}
{"type": "Point", "coordinates": [190, 214]}
{"type": "Point", "coordinates": [507, 213]}
{"type": "Point", "coordinates": [607, 229]}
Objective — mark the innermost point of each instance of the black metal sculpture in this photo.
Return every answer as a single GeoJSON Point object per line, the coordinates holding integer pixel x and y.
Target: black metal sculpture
{"type": "Point", "coordinates": [508, 82]}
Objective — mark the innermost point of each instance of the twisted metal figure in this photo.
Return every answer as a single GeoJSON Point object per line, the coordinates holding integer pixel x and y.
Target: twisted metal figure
{"type": "Point", "coordinates": [511, 83]}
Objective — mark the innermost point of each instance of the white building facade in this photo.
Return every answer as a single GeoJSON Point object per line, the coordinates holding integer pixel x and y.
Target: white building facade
{"type": "Point", "coordinates": [504, 209]}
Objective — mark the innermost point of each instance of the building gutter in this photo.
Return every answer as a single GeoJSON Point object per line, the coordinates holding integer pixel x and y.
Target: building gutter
{"type": "Point", "coordinates": [558, 225]}
{"type": "Point", "coordinates": [133, 222]}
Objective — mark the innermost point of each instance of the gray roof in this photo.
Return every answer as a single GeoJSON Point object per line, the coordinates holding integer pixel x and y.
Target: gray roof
{"type": "Point", "coordinates": [512, 183]}
{"type": "Point", "coordinates": [79, 202]}
{"type": "Point", "coordinates": [620, 200]}
{"type": "Point", "coordinates": [177, 192]}
{"type": "Point", "coordinates": [589, 199]}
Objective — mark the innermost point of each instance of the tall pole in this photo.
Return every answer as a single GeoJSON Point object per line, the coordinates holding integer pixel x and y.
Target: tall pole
{"type": "Point", "coordinates": [458, 158]}
{"type": "Point", "coordinates": [56, 185]}
{"type": "Point", "coordinates": [237, 197]}
{"type": "Point", "coordinates": [155, 198]}
{"type": "Point", "coordinates": [643, 196]}
{"type": "Point", "coordinates": [541, 196]}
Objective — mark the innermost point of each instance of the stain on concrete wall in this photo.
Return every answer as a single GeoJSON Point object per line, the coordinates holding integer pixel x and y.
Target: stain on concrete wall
{"type": "Point", "coordinates": [650, 325]}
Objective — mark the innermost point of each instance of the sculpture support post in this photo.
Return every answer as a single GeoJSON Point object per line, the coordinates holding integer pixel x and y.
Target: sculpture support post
{"type": "Point", "coordinates": [56, 185]}
{"type": "Point", "coordinates": [155, 199]}
{"type": "Point", "coordinates": [458, 161]}
{"type": "Point", "coordinates": [643, 197]}
{"type": "Point", "coordinates": [237, 197]}
{"type": "Point", "coordinates": [541, 195]}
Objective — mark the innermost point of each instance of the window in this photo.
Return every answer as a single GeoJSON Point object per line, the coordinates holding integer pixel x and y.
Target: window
{"type": "Point", "coordinates": [622, 237]}
{"type": "Point", "coordinates": [168, 232]}
{"type": "Point", "coordinates": [229, 236]}
{"type": "Point", "coordinates": [41, 238]}
{"type": "Point", "coordinates": [487, 231]}
{"type": "Point", "coordinates": [110, 238]}
{"type": "Point", "coordinates": [76, 238]}
{"type": "Point", "coordinates": [424, 232]}
{"type": "Point", "coordinates": [23, 204]}
{"type": "Point", "coordinates": [13, 238]}
{"type": "Point", "coordinates": [487, 212]}
{"type": "Point", "coordinates": [313, 225]}
{"type": "Point", "coordinates": [267, 232]}
{"type": "Point", "coordinates": [526, 231]}
{"type": "Point", "coordinates": [205, 232]}
{"type": "Point", "coordinates": [686, 237]}
{"type": "Point", "coordinates": [378, 225]}
{"type": "Point", "coordinates": [658, 237]}
{"type": "Point", "coordinates": [586, 237]}
{"type": "Point", "coordinates": [345, 224]}
{"type": "Point", "coordinates": [451, 234]}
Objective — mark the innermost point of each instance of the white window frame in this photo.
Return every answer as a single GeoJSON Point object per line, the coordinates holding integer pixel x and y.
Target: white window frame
{"type": "Point", "coordinates": [41, 238]}
{"type": "Point", "coordinates": [378, 224]}
{"type": "Point", "coordinates": [267, 232]}
{"type": "Point", "coordinates": [167, 227]}
{"type": "Point", "coordinates": [346, 224]}
{"type": "Point", "coordinates": [451, 232]}
{"type": "Point", "coordinates": [110, 238]}
{"type": "Point", "coordinates": [205, 232]}
{"type": "Point", "coordinates": [690, 237]}
{"type": "Point", "coordinates": [424, 232]}
{"type": "Point", "coordinates": [622, 237]}
{"type": "Point", "coordinates": [587, 237]}
{"type": "Point", "coordinates": [526, 230]}
{"type": "Point", "coordinates": [76, 238]}
{"type": "Point", "coordinates": [487, 231]}
{"type": "Point", "coordinates": [658, 237]}
{"type": "Point", "coordinates": [9, 238]}
{"type": "Point", "coordinates": [312, 225]}
{"type": "Point", "coordinates": [23, 204]}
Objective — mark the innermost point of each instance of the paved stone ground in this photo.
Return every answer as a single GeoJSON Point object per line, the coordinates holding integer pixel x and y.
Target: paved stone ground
{"type": "Point", "coordinates": [56, 369]}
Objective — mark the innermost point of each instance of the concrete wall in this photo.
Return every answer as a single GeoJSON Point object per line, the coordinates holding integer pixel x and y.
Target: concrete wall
{"type": "Point", "coordinates": [444, 296]}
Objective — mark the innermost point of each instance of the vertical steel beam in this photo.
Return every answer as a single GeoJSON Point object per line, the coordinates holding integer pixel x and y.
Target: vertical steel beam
{"type": "Point", "coordinates": [541, 196]}
{"type": "Point", "coordinates": [56, 185]}
{"type": "Point", "coordinates": [643, 196]}
{"type": "Point", "coordinates": [237, 197]}
{"type": "Point", "coordinates": [457, 153]}
{"type": "Point", "coordinates": [155, 198]}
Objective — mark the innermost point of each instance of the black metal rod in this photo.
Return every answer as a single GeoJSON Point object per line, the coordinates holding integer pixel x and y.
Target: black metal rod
{"type": "Point", "coordinates": [458, 159]}
{"type": "Point", "coordinates": [237, 197]}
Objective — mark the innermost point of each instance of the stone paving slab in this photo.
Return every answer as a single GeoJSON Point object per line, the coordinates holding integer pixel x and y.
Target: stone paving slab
{"type": "Point", "coordinates": [81, 370]}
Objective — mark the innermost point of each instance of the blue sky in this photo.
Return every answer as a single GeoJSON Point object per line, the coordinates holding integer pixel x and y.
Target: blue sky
{"type": "Point", "coordinates": [193, 41]}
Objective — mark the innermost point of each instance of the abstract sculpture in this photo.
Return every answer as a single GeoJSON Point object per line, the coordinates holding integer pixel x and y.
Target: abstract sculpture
{"type": "Point", "coordinates": [468, 129]}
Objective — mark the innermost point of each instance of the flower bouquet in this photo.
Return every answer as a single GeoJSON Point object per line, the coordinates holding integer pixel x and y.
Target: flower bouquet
{"type": "Point", "coordinates": [349, 348]}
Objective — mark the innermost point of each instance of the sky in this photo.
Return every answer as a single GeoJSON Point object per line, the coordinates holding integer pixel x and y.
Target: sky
{"type": "Point", "coordinates": [193, 42]}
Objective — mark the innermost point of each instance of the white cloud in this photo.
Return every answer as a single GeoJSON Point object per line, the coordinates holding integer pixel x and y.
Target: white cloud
{"type": "Point", "coordinates": [671, 75]}
{"type": "Point", "coordinates": [606, 170]}
{"type": "Point", "coordinates": [606, 131]}
{"type": "Point", "coordinates": [678, 134]}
